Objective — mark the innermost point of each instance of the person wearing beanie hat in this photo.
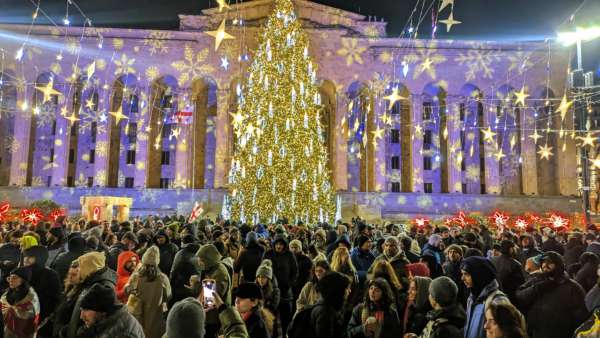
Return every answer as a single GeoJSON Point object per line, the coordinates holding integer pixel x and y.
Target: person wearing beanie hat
{"type": "Point", "coordinates": [104, 317]}
{"type": "Point", "coordinates": [56, 243]}
{"type": "Point", "coordinates": [510, 273]}
{"type": "Point", "coordinates": [152, 289]}
{"type": "Point", "coordinates": [270, 289]}
{"type": "Point", "coordinates": [548, 291]}
{"type": "Point", "coordinates": [265, 269]}
{"type": "Point", "coordinates": [75, 248]}
{"type": "Point", "coordinates": [209, 260]}
{"type": "Point", "coordinates": [447, 319]}
{"type": "Point", "coordinates": [305, 265]}
{"type": "Point", "coordinates": [550, 242]}
{"type": "Point", "coordinates": [454, 257]}
{"type": "Point", "coordinates": [362, 257]}
{"type": "Point", "coordinates": [285, 269]}
{"type": "Point", "coordinates": [376, 316]}
{"type": "Point", "coordinates": [248, 302]}
{"type": "Point", "coordinates": [528, 248]}
{"type": "Point", "coordinates": [479, 276]}
{"type": "Point", "coordinates": [249, 258]}
{"type": "Point", "coordinates": [45, 282]}
{"type": "Point", "coordinates": [28, 241]}
{"type": "Point", "coordinates": [20, 305]}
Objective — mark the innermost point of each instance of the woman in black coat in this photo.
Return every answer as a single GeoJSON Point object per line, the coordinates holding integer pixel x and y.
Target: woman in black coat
{"type": "Point", "coordinates": [377, 315]}
{"type": "Point", "coordinates": [249, 258]}
{"type": "Point", "coordinates": [327, 315]}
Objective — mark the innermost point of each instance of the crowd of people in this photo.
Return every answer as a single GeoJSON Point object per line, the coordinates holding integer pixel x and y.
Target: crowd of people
{"type": "Point", "coordinates": [166, 277]}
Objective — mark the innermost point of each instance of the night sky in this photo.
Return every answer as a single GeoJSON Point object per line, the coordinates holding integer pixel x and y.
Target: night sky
{"type": "Point", "coordinates": [482, 19]}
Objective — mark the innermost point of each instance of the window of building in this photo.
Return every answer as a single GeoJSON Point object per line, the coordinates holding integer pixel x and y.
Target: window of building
{"type": "Point", "coordinates": [482, 164]}
{"type": "Point", "coordinates": [71, 155]}
{"type": "Point", "coordinates": [92, 155]}
{"type": "Point", "coordinates": [51, 155]}
{"type": "Point", "coordinates": [90, 181]}
{"type": "Point", "coordinates": [74, 128]}
{"type": "Point", "coordinates": [396, 108]}
{"type": "Point", "coordinates": [428, 188]}
{"type": "Point", "coordinates": [95, 99]}
{"type": "Point", "coordinates": [461, 111]}
{"type": "Point", "coordinates": [48, 181]}
{"type": "Point", "coordinates": [483, 189]}
{"type": "Point", "coordinates": [166, 101]}
{"type": "Point", "coordinates": [395, 135]}
{"type": "Point", "coordinates": [462, 140]}
{"type": "Point", "coordinates": [128, 182]}
{"type": "Point", "coordinates": [427, 111]}
{"type": "Point", "coordinates": [498, 111]}
{"type": "Point", "coordinates": [166, 130]}
{"type": "Point", "coordinates": [164, 183]}
{"type": "Point", "coordinates": [130, 156]}
{"type": "Point", "coordinates": [94, 131]}
{"type": "Point", "coordinates": [54, 127]}
{"type": "Point", "coordinates": [70, 181]}
{"type": "Point", "coordinates": [426, 162]}
{"type": "Point", "coordinates": [427, 139]}
{"type": "Point", "coordinates": [134, 103]}
{"type": "Point", "coordinates": [395, 162]}
{"type": "Point", "coordinates": [165, 158]}
{"type": "Point", "coordinates": [463, 165]}
{"type": "Point", "coordinates": [464, 188]}
{"type": "Point", "coordinates": [395, 186]}
{"type": "Point", "coordinates": [132, 132]}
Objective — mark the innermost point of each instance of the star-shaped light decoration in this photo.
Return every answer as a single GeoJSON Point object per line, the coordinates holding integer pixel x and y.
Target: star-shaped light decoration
{"type": "Point", "coordinates": [237, 119]}
{"type": "Point", "coordinates": [521, 96]}
{"type": "Point", "coordinates": [545, 152]}
{"type": "Point", "coordinates": [557, 221]}
{"type": "Point", "coordinates": [63, 111]}
{"type": "Point", "coordinates": [418, 129]}
{"type": "Point", "coordinates": [446, 3]}
{"type": "Point", "coordinates": [48, 90]}
{"type": "Point", "coordinates": [118, 114]}
{"type": "Point", "coordinates": [564, 106]}
{"type": "Point", "coordinates": [499, 219]}
{"type": "Point", "coordinates": [103, 117]}
{"type": "Point", "coordinates": [220, 35]}
{"type": "Point", "coordinates": [222, 4]}
{"type": "Point", "coordinates": [72, 118]}
{"type": "Point", "coordinates": [450, 22]}
{"type": "Point", "coordinates": [596, 162]}
{"type": "Point", "coordinates": [91, 69]}
{"type": "Point", "coordinates": [521, 223]}
{"type": "Point", "coordinates": [377, 134]}
{"type": "Point", "coordinates": [499, 154]}
{"type": "Point", "coordinates": [175, 133]}
{"type": "Point", "coordinates": [32, 216]}
{"type": "Point", "coordinates": [4, 208]}
{"type": "Point", "coordinates": [420, 222]}
{"type": "Point", "coordinates": [89, 103]}
{"type": "Point", "coordinates": [535, 136]}
{"type": "Point", "coordinates": [426, 65]}
{"type": "Point", "coordinates": [393, 97]}
{"type": "Point", "coordinates": [224, 63]}
{"type": "Point", "coordinates": [488, 134]}
{"type": "Point", "coordinates": [588, 140]}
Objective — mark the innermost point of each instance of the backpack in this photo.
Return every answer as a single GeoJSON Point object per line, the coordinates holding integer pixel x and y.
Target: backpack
{"type": "Point", "coordinates": [301, 325]}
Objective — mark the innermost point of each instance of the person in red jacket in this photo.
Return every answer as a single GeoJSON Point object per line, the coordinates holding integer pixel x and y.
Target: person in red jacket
{"type": "Point", "coordinates": [126, 264]}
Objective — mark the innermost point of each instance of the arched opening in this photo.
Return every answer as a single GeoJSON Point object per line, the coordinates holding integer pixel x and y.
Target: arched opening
{"type": "Point", "coordinates": [43, 129]}
{"type": "Point", "coordinates": [77, 89]}
{"type": "Point", "coordinates": [471, 143]}
{"type": "Point", "coordinates": [435, 140]}
{"type": "Point", "coordinates": [507, 125]}
{"type": "Point", "coordinates": [204, 94]}
{"type": "Point", "coordinates": [329, 105]}
{"type": "Point", "coordinates": [164, 133]}
{"type": "Point", "coordinates": [360, 121]}
{"type": "Point", "coordinates": [398, 140]}
{"type": "Point", "coordinates": [122, 152]}
{"type": "Point", "coordinates": [8, 109]}
{"type": "Point", "coordinates": [545, 125]}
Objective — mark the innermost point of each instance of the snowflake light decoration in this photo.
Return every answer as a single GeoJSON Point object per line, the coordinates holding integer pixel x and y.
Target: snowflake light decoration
{"type": "Point", "coordinates": [499, 219]}
{"type": "Point", "coordinates": [33, 216]}
{"type": "Point", "coordinates": [421, 222]}
{"type": "Point", "coordinates": [557, 221]}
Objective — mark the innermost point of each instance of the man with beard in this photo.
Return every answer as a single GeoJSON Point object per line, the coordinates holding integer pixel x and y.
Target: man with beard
{"type": "Point", "coordinates": [553, 304]}
{"type": "Point", "coordinates": [128, 242]}
{"type": "Point", "coordinates": [56, 243]}
{"type": "Point", "coordinates": [46, 284]}
{"type": "Point", "coordinates": [454, 256]}
{"type": "Point", "coordinates": [126, 264]}
{"type": "Point", "coordinates": [394, 255]}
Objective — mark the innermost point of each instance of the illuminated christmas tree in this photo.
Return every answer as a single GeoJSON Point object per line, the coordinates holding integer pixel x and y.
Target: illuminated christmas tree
{"type": "Point", "coordinates": [279, 169]}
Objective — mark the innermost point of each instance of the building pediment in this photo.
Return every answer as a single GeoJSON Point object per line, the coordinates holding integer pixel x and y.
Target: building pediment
{"type": "Point", "coordinates": [311, 14]}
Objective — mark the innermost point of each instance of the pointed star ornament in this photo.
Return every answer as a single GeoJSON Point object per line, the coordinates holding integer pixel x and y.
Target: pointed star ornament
{"type": "Point", "coordinates": [393, 97]}
{"type": "Point", "coordinates": [535, 136]}
{"type": "Point", "coordinates": [488, 134]}
{"type": "Point", "coordinates": [72, 118]}
{"type": "Point", "coordinates": [450, 22]}
{"type": "Point", "coordinates": [588, 140]}
{"type": "Point", "coordinates": [377, 133]}
{"type": "Point", "coordinates": [220, 35]}
{"type": "Point", "coordinates": [564, 106]}
{"type": "Point", "coordinates": [446, 3]}
{"type": "Point", "coordinates": [596, 162]}
{"type": "Point", "coordinates": [521, 96]}
{"type": "Point", "coordinates": [118, 115]}
{"type": "Point", "coordinates": [89, 104]}
{"type": "Point", "coordinates": [222, 4]}
{"type": "Point", "coordinates": [48, 90]}
{"type": "Point", "coordinates": [499, 154]}
{"type": "Point", "coordinates": [545, 152]}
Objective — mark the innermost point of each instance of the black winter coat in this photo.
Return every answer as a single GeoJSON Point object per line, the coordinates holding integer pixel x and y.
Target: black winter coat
{"type": "Point", "coordinates": [62, 263]}
{"type": "Point", "coordinates": [304, 268]}
{"type": "Point", "coordinates": [183, 268]}
{"type": "Point", "coordinates": [587, 276]}
{"type": "Point", "coordinates": [285, 269]}
{"type": "Point", "coordinates": [452, 271]}
{"type": "Point", "coordinates": [528, 252]}
{"type": "Point", "coordinates": [255, 325]}
{"type": "Point", "coordinates": [510, 275]}
{"type": "Point", "coordinates": [573, 251]}
{"type": "Point", "coordinates": [447, 322]}
{"type": "Point", "coordinates": [248, 261]}
{"type": "Point", "coordinates": [113, 255]}
{"type": "Point", "coordinates": [327, 322]}
{"type": "Point", "coordinates": [167, 255]}
{"type": "Point", "coordinates": [391, 323]}
{"type": "Point", "coordinates": [551, 244]}
{"type": "Point", "coordinates": [552, 308]}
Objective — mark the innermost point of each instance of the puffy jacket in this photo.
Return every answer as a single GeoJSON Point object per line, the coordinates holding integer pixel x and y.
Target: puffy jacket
{"type": "Point", "coordinates": [62, 263]}
{"type": "Point", "coordinates": [327, 321]}
{"type": "Point", "coordinates": [362, 261]}
{"type": "Point", "coordinates": [285, 267]}
{"type": "Point", "coordinates": [476, 309]}
{"type": "Point", "coordinates": [249, 260]}
{"type": "Point", "coordinates": [184, 266]}
{"type": "Point", "coordinates": [510, 275]}
{"type": "Point", "coordinates": [446, 322]}
{"type": "Point", "coordinates": [119, 324]}
{"type": "Point", "coordinates": [123, 275]}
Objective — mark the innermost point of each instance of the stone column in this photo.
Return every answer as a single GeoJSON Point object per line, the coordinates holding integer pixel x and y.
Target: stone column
{"type": "Point", "coordinates": [62, 137]}
{"type": "Point", "coordinates": [528, 152]}
{"type": "Point", "coordinates": [103, 139]}
{"type": "Point", "coordinates": [223, 139]}
{"type": "Point", "coordinates": [453, 151]}
{"type": "Point", "coordinates": [183, 158]}
{"type": "Point", "coordinates": [566, 161]}
{"type": "Point", "coordinates": [417, 142]}
{"type": "Point", "coordinates": [379, 150]}
{"type": "Point", "coordinates": [20, 147]}
{"type": "Point", "coordinates": [143, 141]}
{"type": "Point", "coordinates": [340, 154]}
{"type": "Point", "coordinates": [492, 165]}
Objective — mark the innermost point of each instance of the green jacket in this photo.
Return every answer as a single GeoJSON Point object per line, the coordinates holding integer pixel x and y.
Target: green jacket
{"type": "Point", "coordinates": [232, 324]}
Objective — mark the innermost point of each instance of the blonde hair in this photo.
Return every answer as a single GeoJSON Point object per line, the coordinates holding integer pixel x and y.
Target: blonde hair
{"type": "Point", "coordinates": [341, 262]}
{"type": "Point", "coordinates": [384, 269]}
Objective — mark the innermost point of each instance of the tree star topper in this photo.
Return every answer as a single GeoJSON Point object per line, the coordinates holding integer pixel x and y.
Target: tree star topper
{"type": "Point", "coordinates": [220, 35]}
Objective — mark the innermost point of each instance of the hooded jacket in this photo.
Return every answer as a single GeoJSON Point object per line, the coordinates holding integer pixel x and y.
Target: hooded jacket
{"type": "Point", "coordinates": [213, 268]}
{"type": "Point", "coordinates": [249, 260]}
{"type": "Point", "coordinates": [76, 248]}
{"type": "Point", "coordinates": [123, 275]}
{"type": "Point", "coordinates": [285, 267]}
{"type": "Point", "coordinates": [184, 266]}
{"type": "Point", "coordinates": [414, 317]}
{"type": "Point", "coordinates": [447, 322]}
{"type": "Point", "coordinates": [540, 298]}
{"type": "Point", "coordinates": [167, 250]}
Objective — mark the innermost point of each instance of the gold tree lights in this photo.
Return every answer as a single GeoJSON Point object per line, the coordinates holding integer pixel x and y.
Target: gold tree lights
{"type": "Point", "coordinates": [279, 169]}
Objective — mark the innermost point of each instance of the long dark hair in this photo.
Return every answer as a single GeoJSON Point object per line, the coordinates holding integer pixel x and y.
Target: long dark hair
{"type": "Point", "coordinates": [387, 297]}
{"type": "Point", "coordinates": [149, 271]}
{"type": "Point", "coordinates": [322, 264]}
{"type": "Point", "coordinates": [509, 320]}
